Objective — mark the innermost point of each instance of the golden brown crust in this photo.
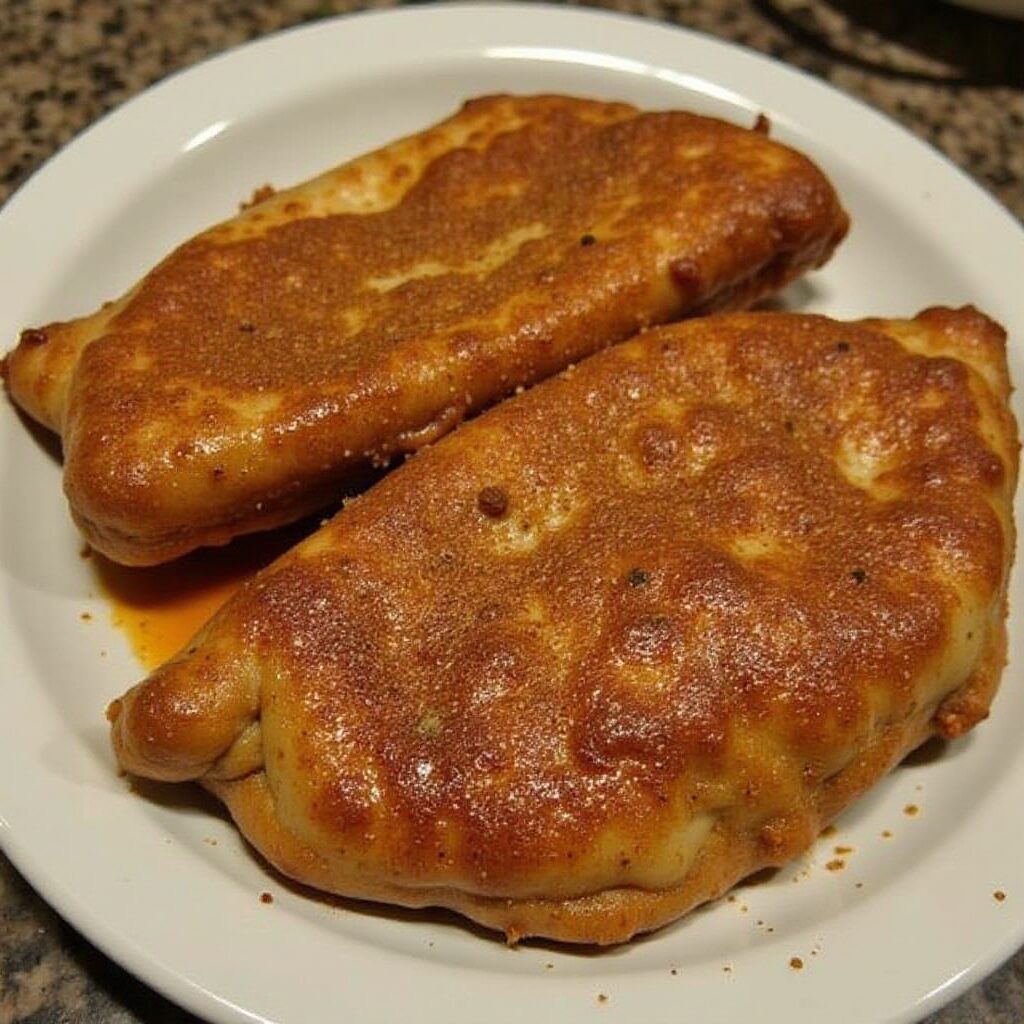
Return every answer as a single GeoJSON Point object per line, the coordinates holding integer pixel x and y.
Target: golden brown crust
{"type": "Point", "coordinates": [603, 918]}
{"type": "Point", "coordinates": [625, 638]}
{"type": "Point", "coordinates": [366, 312]}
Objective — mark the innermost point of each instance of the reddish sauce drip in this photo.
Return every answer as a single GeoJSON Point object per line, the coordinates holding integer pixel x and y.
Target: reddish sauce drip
{"type": "Point", "coordinates": [161, 608]}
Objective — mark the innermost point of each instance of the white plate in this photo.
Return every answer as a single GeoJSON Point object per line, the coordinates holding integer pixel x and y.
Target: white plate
{"type": "Point", "coordinates": [140, 877]}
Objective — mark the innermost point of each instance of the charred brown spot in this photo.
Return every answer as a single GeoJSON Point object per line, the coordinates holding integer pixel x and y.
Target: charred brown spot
{"type": "Point", "coordinates": [34, 336]}
{"type": "Point", "coordinates": [762, 125]}
{"type": "Point", "coordinates": [843, 346]}
{"type": "Point", "coordinates": [247, 328]}
{"type": "Point", "coordinates": [219, 472]}
{"type": "Point", "coordinates": [638, 577]}
{"type": "Point", "coordinates": [493, 502]}
{"type": "Point", "coordinates": [587, 239]}
{"type": "Point", "coordinates": [859, 576]}
{"type": "Point", "coordinates": [686, 276]}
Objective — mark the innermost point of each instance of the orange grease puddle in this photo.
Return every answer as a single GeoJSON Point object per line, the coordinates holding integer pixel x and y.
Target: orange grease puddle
{"type": "Point", "coordinates": [159, 609]}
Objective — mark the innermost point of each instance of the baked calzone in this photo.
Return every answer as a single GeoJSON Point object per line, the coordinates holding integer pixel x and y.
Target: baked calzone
{"type": "Point", "coordinates": [623, 639]}
{"type": "Point", "coordinates": [365, 312]}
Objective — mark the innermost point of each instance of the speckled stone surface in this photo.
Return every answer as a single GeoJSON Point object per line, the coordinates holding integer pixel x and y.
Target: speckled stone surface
{"type": "Point", "coordinates": [954, 78]}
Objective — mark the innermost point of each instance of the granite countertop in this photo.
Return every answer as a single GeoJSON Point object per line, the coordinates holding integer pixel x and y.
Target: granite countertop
{"type": "Point", "coordinates": [954, 78]}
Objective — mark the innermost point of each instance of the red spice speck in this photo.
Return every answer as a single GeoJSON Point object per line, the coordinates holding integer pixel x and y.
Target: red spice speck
{"type": "Point", "coordinates": [493, 502]}
{"type": "Point", "coordinates": [999, 895]}
{"type": "Point", "coordinates": [266, 897]}
{"type": "Point", "coordinates": [796, 963]}
{"type": "Point", "coordinates": [34, 336]}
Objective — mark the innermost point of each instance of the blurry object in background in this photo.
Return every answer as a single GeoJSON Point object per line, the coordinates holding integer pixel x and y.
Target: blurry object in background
{"type": "Point", "coordinates": [910, 41]}
{"type": "Point", "coordinates": [1005, 8]}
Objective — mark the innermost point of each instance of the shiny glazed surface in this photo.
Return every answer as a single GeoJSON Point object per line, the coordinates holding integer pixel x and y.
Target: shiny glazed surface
{"type": "Point", "coordinates": [364, 313]}
{"type": "Point", "coordinates": [625, 638]}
